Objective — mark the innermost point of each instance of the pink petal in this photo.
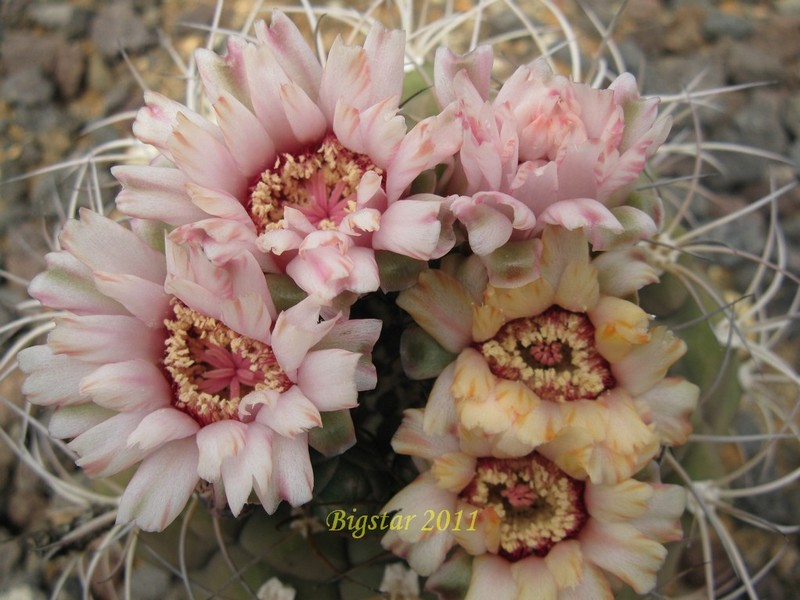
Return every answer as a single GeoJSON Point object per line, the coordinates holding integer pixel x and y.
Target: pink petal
{"type": "Point", "coordinates": [385, 49]}
{"type": "Point", "coordinates": [346, 79]}
{"type": "Point", "coordinates": [296, 331]}
{"type": "Point", "coordinates": [104, 245]}
{"type": "Point", "coordinates": [251, 468]}
{"type": "Point", "coordinates": [103, 450]}
{"type": "Point", "coordinates": [376, 131]}
{"type": "Point", "coordinates": [292, 473]}
{"type": "Point", "coordinates": [205, 159]}
{"type": "Point", "coordinates": [68, 422]}
{"type": "Point", "coordinates": [291, 51]}
{"type": "Point", "coordinates": [490, 219]}
{"type": "Point", "coordinates": [224, 74]}
{"type": "Point", "coordinates": [288, 414]}
{"type": "Point", "coordinates": [156, 121]}
{"type": "Point", "coordinates": [144, 299]}
{"type": "Point", "coordinates": [126, 386]}
{"type": "Point", "coordinates": [305, 118]}
{"type": "Point", "coordinates": [218, 204]}
{"type": "Point", "coordinates": [327, 378]}
{"type": "Point", "coordinates": [265, 76]}
{"type": "Point", "coordinates": [248, 315]}
{"type": "Point", "coordinates": [158, 193]}
{"type": "Point", "coordinates": [580, 213]}
{"type": "Point", "coordinates": [216, 442]}
{"type": "Point", "coordinates": [432, 141]}
{"type": "Point", "coordinates": [53, 379]}
{"type": "Point", "coordinates": [477, 64]}
{"type": "Point", "coordinates": [67, 285]}
{"type": "Point", "coordinates": [411, 228]}
{"type": "Point", "coordinates": [249, 144]}
{"type": "Point", "coordinates": [102, 339]}
{"type": "Point", "coordinates": [161, 486]}
{"type": "Point", "coordinates": [162, 426]}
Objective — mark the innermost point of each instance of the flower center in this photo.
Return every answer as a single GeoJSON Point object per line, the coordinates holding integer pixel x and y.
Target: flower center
{"type": "Point", "coordinates": [321, 183]}
{"type": "Point", "coordinates": [212, 367]}
{"type": "Point", "coordinates": [552, 353]}
{"type": "Point", "coordinates": [537, 503]}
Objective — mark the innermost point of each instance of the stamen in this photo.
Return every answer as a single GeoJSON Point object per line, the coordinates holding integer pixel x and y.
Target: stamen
{"type": "Point", "coordinates": [538, 504]}
{"type": "Point", "coordinates": [212, 367]}
{"type": "Point", "coordinates": [553, 353]}
{"type": "Point", "coordinates": [320, 182]}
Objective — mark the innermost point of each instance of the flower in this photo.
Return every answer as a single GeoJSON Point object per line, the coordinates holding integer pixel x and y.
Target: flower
{"type": "Point", "coordinates": [188, 368]}
{"type": "Point", "coordinates": [534, 530]}
{"type": "Point", "coordinates": [305, 166]}
{"type": "Point", "coordinates": [546, 150]}
{"type": "Point", "coordinates": [558, 364]}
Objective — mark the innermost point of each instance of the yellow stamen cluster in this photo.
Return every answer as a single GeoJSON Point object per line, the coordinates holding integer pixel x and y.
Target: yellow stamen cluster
{"type": "Point", "coordinates": [315, 182]}
{"type": "Point", "coordinates": [553, 353]}
{"type": "Point", "coordinates": [538, 504]}
{"type": "Point", "coordinates": [192, 337]}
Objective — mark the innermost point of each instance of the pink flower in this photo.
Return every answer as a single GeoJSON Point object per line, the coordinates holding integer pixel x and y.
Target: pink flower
{"type": "Point", "coordinates": [188, 368]}
{"type": "Point", "coordinates": [534, 530]}
{"type": "Point", "coordinates": [305, 165]}
{"type": "Point", "coordinates": [545, 151]}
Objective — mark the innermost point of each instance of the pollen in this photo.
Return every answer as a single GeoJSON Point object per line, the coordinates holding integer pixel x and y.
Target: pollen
{"type": "Point", "coordinates": [320, 182]}
{"type": "Point", "coordinates": [538, 505]}
{"type": "Point", "coordinates": [553, 353]}
{"type": "Point", "coordinates": [212, 367]}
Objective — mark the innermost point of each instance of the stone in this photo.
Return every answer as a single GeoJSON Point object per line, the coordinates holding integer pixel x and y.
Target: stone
{"type": "Point", "coordinates": [117, 27]}
{"type": "Point", "coordinates": [791, 115]}
{"type": "Point", "coordinates": [719, 24]}
{"type": "Point", "coordinates": [22, 591]}
{"type": "Point", "coordinates": [28, 87]}
{"type": "Point", "coordinates": [69, 70]}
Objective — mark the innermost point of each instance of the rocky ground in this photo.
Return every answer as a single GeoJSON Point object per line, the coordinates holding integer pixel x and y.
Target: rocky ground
{"type": "Point", "coordinates": [61, 69]}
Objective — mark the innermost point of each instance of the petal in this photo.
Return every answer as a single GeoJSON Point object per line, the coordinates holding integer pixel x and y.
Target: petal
{"type": "Point", "coordinates": [621, 502]}
{"type": "Point", "coordinates": [385, 49]}
{"type": "Point", "coordinates": [161, 486]}
{"type": "Point", "coordinates": [224, 74]}
{"type": "Point", "coordinates": [248, 315]}
{"type": "Point", "coordinates": [215, 443]}
{"type": "Point", "coordinates": [292, 473]}
{"type": "Point", "coordinates": [128, 385]}
{"type": "Point", "coordinates": [162, 426]}
{"type": "Point", "coordinates": [291, 51]}
{"type": "Point", "coordinates": [411, 228]}
{"type": "Point", "coordinates": [68, 285]}
{"type": "Point", "coordinates": [412, 439]}
{"type": "Point", "coordinates": [53, 379]}
{"type": "Point", "coordinates": [305, 118]}
{"type": "Point", "coordinates": [647, 364]}
{"type": "Point", "coordinates": [104, 245]}
{"type": "Point", "coordinates": [327, 378]}
{"type": "Point", "coordinates": [440, 411]}
{"type": "Point", "coordinates": [68, 422]}
{"type": "Point", "coordinates": [621, 550]}
{"type": "Point", "coordinates": [296, 331]}
{"type": "Point", "coordinates": [251, 468]}
{"type": "Point", "coordinates": [619, 326]}
{"type": "Point", "coordinates": [477, 64]}
{"type": "Point", "coordinates": [491, 578]}
{"type": "Point", "coordinates": [289, 414]}
{"type": "Point", "coordinates": [249, 143]}
{"type": "Point", "coordinates": [581, 213]}
{"type": "Point", "coordinates": [623, 272]}
{"type": "Point", "coordinates": [442, 307]}
{"type": "Point", "coordinates": [158, 193]}
{"type": "Point", "coordinates": [534, 579]}
{"type": "Point", "coordinates": [205, 159]}
{"type": "Point", "coordinates": [662, 521]}
{"type": "Point", "coordinates": [106, 338]}
{"type": "Point", "coordinates": [103, 450]}
{"type": "Point", "coordinates": [669, 405]}
{"type": "Point", "coordinates": [144, 299]}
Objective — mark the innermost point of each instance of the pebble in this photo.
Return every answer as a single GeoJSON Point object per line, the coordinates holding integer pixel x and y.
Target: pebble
{"type": "Point", "coordinates": [117, 27]}
{"type": "Point", "coordinates": [27, 87]}
{"type": "Point", "coordinates": [719, 24]}
{"type": "Point", "coordinates": [22, 591]}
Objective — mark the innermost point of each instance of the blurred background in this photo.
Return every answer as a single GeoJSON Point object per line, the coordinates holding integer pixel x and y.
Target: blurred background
{"type": "Point", "coordinates": [66, 65]}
